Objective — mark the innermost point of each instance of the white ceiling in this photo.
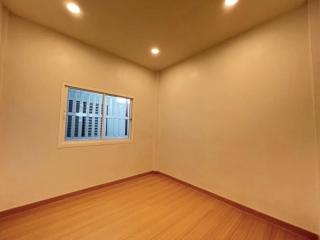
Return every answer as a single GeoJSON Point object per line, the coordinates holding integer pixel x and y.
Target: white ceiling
{"type": "Point", "coordinates": [129, 28]}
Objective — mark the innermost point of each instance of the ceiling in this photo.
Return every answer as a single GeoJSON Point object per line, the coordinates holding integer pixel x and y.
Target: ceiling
{"type": "Point", "coordinates": [129, 28]}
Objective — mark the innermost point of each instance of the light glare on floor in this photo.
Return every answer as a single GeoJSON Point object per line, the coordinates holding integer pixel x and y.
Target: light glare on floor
{"type": "Point", "coordinates": [73, 8]}
{"type": "Point", "coordinates": [230, 3]}
{"type": "Point", "coordinates": [155, 51]}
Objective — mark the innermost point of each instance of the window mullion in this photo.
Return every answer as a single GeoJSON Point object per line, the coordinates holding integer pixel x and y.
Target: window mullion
{"type": "Point", "coordinates": [103, 117]}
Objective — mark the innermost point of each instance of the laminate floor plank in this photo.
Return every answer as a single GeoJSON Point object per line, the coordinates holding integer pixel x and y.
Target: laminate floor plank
{"type": "Point", "coordinates": [148, 207]}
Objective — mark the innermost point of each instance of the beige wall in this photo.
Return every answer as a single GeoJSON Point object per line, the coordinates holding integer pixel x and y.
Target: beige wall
{"type": "Point", "coordinates": [37, 61]}
{"type": "Point", "coordinates": [3, 28]}
{"type": "Point", "coordinates": [314, 31]}
{"type": "Point", "coordinates": [238, 120]}
{"type": "Point", "coordinates": [1, 67]}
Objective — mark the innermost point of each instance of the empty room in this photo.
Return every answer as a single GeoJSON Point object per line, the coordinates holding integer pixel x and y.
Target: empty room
{"type": "Point", "coordinates": [162, 120]}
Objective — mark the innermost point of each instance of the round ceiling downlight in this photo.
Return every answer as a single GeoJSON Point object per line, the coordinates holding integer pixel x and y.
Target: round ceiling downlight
{"type": "Point", "coordinates": [230, 3]}
{"type": "Point", "coordinates": [155, 51]}
{"type": "Point", "coordinates": [73, 8]}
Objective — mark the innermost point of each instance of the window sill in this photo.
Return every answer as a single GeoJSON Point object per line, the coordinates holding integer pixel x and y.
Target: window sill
{"type": "Point", "coordinates": [71, 144]}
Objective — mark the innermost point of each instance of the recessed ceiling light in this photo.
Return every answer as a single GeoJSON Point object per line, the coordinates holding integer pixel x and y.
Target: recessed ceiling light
{"type": "Point", "coordinates": [155, 51]}
{"type": "Point", "coordinates": [73, 8]}
{"type": "Point", "coordinates": [230, 3]}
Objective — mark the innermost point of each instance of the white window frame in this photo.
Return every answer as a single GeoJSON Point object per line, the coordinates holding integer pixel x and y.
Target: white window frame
{"type": "Point", "coordinates": [62, 143]}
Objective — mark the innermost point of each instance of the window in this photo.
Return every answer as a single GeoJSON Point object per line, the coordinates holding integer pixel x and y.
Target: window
{"type": "Point", "coordinates": [96, 116]}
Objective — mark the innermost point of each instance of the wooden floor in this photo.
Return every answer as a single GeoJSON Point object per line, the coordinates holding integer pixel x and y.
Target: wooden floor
{"type": "Point", "coordinates": [148, 207]}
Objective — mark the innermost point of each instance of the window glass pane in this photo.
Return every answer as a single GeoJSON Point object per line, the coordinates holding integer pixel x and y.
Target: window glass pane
{"type": "Point", "coordinates": [117, 117]}
{"type": "Point", "coordinates": [84, 115]}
